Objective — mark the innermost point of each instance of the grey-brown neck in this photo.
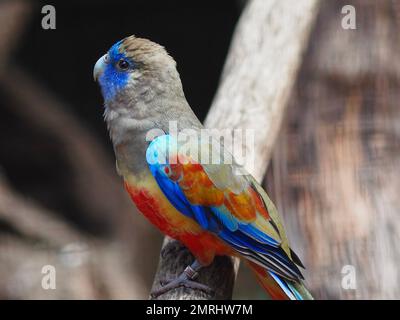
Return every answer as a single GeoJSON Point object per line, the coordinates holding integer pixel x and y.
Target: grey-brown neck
{"type": "Point", "coordinates": [150, 101]}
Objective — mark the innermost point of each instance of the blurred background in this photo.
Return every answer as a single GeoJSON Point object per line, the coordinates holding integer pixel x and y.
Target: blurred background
{"type": "Point", "coordinates": [334, 174]}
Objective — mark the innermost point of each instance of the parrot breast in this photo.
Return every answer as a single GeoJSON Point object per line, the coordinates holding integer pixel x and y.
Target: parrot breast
{"type": "Point", "coordinates": [153, 204]}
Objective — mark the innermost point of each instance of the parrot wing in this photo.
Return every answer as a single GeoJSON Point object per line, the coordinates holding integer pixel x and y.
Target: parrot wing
{"type": "Point", "coordinates": [233, 206]}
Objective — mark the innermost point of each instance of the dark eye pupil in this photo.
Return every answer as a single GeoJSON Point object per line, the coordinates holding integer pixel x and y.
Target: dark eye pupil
{"type": "Point", "coordinates": [122, 64]}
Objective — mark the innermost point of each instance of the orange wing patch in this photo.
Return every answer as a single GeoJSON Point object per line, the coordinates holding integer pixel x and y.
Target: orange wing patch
{"type": "Point", "coordinates": [241, 206]}
{"type": "Point", "coordinates": [200, 190]}
{"type": "Point", "coordinates": [260, 207]}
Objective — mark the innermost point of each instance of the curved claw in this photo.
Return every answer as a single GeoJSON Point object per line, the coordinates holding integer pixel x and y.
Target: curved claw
{"type": "Point", "coordinates": [180, 282]}
{"type": "Point", "coordinates": [185, 279]}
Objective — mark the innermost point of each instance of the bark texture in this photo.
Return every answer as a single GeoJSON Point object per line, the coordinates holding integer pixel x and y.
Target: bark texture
{"type": "Point", "coordinates": [335, 171]}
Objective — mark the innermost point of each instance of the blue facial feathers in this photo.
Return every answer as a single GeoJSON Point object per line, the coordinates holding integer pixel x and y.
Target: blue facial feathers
{"type": "Point", "coordinates": [114, 77]}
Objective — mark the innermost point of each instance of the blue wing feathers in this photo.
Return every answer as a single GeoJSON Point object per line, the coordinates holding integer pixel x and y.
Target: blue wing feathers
{"type": "Point", "coordinates": [225, 217]}
{"type": "Point", "coordinates": [200, 216]}
{"type": "Point", "coordinates": [246, 238]}
{"type": "Point", "coordinates": [287, 287]}
{"type": "Point", "coordinates": [173, 193]}
{"type": "Point", "coordinates": [258, 235]}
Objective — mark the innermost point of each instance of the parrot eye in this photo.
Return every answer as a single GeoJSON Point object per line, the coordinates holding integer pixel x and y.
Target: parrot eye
{"type": "Point", "coordinates": [106, 58]}
{"type": "Point", "coordinates": [123, 64]}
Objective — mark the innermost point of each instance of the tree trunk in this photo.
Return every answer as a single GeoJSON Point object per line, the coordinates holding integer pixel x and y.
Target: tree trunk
{"type": "Point", "coordinates": [335, 170]}
{"type": "Point", "coordinates": [261, 67]}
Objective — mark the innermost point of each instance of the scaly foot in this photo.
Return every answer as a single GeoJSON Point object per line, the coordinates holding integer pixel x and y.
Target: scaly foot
{"type": "Point", "coordinates": [185, 279]}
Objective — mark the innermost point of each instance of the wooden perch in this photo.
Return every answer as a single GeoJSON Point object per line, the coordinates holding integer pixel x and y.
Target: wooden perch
{"type": "Point", "coordinates": [255, 85]}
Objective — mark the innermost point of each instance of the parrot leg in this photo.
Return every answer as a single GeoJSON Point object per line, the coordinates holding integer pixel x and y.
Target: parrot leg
{"type": "Point", "coordinates": [185, 279]}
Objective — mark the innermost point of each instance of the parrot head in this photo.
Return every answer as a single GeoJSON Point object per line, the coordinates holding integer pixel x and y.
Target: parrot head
{"type": "Point", "coordinates": [142, 90]}
{"type": "Point", "coordinates": [134, 67]}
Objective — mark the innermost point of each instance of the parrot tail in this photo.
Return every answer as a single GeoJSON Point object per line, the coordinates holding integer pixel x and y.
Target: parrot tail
{"type": "Point", "coordinates": [277, 287]}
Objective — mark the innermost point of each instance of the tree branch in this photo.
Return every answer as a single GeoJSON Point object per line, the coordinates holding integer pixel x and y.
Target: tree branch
{"type": "Point", "coordinates": [97, 189]}
{"type": "Point", "coordinates": [259, 72]}
{"type": "Point", "coordinates": [13, 17]}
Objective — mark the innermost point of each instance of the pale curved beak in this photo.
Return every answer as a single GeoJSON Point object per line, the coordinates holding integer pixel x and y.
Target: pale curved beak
{"type": "Point", "coordinates": [98, 68]}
